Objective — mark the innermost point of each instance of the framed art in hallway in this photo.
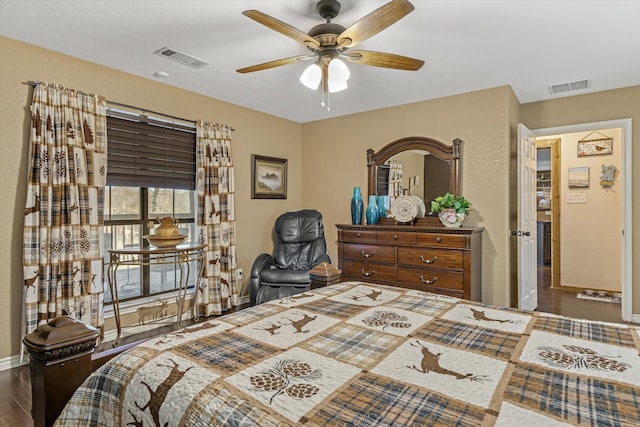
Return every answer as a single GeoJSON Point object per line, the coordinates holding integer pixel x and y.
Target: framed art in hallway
{"type": "Point", "coordinates": [268, 177]}
{"type": "Point", "coordinates": [595, 147]}
{"type": "Point", "coordinates": [579, 177]}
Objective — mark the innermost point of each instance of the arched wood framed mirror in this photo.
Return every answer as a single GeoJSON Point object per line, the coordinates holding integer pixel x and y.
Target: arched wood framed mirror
{"type": "Point", "coordinates": [436, 164]}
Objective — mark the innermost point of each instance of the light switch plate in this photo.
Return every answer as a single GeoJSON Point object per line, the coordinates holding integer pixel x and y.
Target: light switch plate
{"type": "Point", "coordinates": [577, 198]}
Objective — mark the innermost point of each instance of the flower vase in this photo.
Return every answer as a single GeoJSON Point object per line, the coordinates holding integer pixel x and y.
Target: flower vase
{"type": "Point", "coordinates": [383, 205]}
{"type": "Point", "coordinates": [356, 207]}
{"type": "Point", "coordinates": [373, 213]}
{"type": "Point", "coordinates": [450, 218]}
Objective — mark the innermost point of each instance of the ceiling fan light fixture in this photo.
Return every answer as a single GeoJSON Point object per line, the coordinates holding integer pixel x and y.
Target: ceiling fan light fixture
{"type": "Point", "coordinates": [311, 76]}
{"type": "Point", "coordinates": [338, 76]}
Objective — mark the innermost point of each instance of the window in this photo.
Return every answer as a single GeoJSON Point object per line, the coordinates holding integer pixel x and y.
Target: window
{"type": "Point", "coordinates": [150, 175]}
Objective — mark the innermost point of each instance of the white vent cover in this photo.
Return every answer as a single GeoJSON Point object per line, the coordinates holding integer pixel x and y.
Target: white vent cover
{"type": "Point", "coordinates": [567, 87]}
{"type": "Point", "coordinates": [181, 57]}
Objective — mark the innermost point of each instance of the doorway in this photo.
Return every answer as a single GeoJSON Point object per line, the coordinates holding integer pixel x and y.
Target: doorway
{"type": "Point", "coordinates": [575, 201]}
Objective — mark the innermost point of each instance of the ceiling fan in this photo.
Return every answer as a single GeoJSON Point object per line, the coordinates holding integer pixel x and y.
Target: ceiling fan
{"type": "Point", "coordinates": [329, 41]}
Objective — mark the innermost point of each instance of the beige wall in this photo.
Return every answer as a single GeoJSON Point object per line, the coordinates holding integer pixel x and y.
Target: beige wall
{"type": "Point", "coordinates": [334, 158]}
{"type": "Point", "coordinates": [595, 107]}
{"type": "Point", "coordinates": [590, 232]}
{"type": "Point", "coordinates": [256, 133]}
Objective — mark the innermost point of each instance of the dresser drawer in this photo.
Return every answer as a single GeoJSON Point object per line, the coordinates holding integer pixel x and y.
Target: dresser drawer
{"type": "Point", "coordinates": [357, 236]}
{"type": "Point", "coordinates": [366, 252]}
{"type": "Point", "coordinates": [443, 258]}
{"type": "Point", "coordinates": [442, 240]}
{"type": "Point", "coordinates": [431, 277]}
{"type": "Point", "coordinates": [396, 238]}
{"type": "Point", "coordinates": [369, 271]}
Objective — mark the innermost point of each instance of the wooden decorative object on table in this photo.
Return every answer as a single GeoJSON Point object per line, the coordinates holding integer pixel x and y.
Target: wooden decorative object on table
{"type": "Point", "coordinates": [324, 274]}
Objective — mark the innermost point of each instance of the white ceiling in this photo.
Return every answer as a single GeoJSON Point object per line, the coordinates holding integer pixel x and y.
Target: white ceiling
{"type": "Point", "coordinates": [467, 45]}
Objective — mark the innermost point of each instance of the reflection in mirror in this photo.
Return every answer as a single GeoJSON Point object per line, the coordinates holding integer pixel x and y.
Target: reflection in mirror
{"type": "Point", "coordinates": [415, 166]}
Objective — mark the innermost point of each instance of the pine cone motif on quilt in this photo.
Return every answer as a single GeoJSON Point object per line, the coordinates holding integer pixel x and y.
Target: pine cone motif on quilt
{"type": "Point", "coordinates": [386, 319]}
{"type": "Point", "coordinates": [297, 369]}
{"type": "Point", "coordinates": [302, 390]}
{"type": "Point", "coordinates": [281, 376]}
{"type": "Point", "coordinates": [268, 382]}
{"type": "Point", "coordinates": [580, 357]}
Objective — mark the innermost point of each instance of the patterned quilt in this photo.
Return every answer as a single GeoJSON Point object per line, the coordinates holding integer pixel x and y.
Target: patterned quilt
{"type": "Point", "coordinates": [363, 355]}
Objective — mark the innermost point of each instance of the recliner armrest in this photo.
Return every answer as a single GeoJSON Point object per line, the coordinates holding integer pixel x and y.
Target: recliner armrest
{"type": "Point", "coordinates": [261, 262]}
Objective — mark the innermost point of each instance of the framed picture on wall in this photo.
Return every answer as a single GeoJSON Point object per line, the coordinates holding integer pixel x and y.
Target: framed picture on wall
{"type": "Point", "coordinates": [268, 177]}
{"type": "Point", "coordinates": [595, 147]}
{"type": "Point", "coordinates": [579, 177]}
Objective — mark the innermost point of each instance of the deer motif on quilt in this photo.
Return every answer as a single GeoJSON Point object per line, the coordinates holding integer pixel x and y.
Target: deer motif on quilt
{"type": "Point", "coordinates": [158, 396]}
{"type": "Point", "coordinates": [431, 363]}
{"type": "Point", "coordinates": [373, 296]}
{"type": "Point", "coordinates": [480, 315]}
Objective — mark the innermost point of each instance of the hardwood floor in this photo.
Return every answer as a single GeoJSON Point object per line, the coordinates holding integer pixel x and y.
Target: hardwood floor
{"type": "Point", "coordinates": [566, 303]}
{"type": "Point", "coordinates": [15, 397]}
{"type": "Point", "coordinates": [15, 384]}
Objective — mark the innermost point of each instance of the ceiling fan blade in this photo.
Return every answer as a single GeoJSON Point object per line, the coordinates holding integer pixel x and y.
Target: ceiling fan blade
{"type": "Point", "coordinates": [276, 63]}
{"type": "Point", "coordinates": [385, 60]}
{"type": "Point", "coordinates": [374, 22]}
{"type": "Point", "coordinates": [282, 28]}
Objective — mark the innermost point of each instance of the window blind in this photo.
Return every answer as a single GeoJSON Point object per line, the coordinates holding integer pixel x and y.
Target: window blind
{"type": "Point", "coordinates": [149, 152]}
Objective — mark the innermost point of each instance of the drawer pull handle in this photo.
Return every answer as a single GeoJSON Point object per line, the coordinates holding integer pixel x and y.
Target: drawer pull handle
{"type": "Point", "coordinates": [428, 261]}
{"type": "Point", "coordinates": [438, 239]}
{"type": "Point", "coordinates": [428, 282]}
{"type": "Point", "coordinates": [367, 255]}
{"type": "Point", "coordinates": [395, 237]}
{"type": "Point", "coordinates": [367, 273]}
{"type": "Point", "coordinates": [357, 234]}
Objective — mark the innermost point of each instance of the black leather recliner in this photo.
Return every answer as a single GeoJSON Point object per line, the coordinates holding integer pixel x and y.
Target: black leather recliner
{"type": "Point", "coordinates": [299, 245]}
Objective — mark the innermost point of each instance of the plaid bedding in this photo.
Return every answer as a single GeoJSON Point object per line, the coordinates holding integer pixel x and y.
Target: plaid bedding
{"type": "Point", "coordinates": [363, 355]}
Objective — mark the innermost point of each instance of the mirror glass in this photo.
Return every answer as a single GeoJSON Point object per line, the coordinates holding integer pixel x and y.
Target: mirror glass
{"type": "Point", "coordinates": [422, 167]}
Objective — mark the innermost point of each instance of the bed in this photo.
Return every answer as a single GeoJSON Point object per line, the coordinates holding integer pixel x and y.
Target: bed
{"type": "Point", "coordinates": [364, 354]}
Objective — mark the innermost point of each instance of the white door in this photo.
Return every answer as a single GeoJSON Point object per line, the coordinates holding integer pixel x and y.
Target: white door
{"type": "Point", "coordinates": [526, 224]}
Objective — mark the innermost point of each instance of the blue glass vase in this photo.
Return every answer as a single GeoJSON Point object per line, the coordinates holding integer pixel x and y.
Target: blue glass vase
{"type": "Point", "coordinates": [356, 207]}
{"type": "Point", "coordinates": [382, 205]}
{"type": "Point", "coordinates": [373, 213]}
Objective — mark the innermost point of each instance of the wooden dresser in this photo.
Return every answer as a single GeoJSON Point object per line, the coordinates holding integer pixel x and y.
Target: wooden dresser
{"type": "Point", "coordinates": [427, 258]}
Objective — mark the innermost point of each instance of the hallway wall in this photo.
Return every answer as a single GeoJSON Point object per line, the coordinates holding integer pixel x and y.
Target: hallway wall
{"type": "Point", "coordinates": [590, 233]}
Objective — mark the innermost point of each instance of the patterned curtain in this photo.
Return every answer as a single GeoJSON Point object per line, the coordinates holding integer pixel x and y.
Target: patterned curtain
{"type": "Point", "coordinates": [62, 245]}
{"type": "Point", "coordinates": [218, 289]}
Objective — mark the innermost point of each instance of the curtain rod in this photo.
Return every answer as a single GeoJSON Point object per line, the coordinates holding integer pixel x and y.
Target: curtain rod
{"type": "Point", "coordinates": [120, 104]}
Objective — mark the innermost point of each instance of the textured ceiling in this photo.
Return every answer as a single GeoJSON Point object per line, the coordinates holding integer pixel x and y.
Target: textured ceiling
{"type": "Point", "coordinates": [467, 45]}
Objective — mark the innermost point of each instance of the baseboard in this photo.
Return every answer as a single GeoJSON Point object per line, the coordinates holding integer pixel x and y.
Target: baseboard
{"type": "Point", "coordinates": [13, 362]}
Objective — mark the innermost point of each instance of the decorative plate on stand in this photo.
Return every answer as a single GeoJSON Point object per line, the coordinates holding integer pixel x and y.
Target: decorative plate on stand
{"type": "Point", "coordinates": [404, 209]}
{"type": "Point", "coordinates": [422, 209]}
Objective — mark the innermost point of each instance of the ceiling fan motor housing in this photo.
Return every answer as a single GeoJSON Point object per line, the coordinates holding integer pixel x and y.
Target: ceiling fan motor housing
{"type": "Point", "coordinates": [326, 34]}
{"type": "Point", "coordinates": [328, 9]}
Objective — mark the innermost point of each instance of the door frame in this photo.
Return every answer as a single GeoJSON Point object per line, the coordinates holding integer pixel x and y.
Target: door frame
{"type": "Point", "coordinates": [625, 126]}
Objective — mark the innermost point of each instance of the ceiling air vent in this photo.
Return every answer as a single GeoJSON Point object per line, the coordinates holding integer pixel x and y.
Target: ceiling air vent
{"type": "Point", "coordinates": [567, 87]}
{"type": "Point", "coordinates": [181, 57]}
